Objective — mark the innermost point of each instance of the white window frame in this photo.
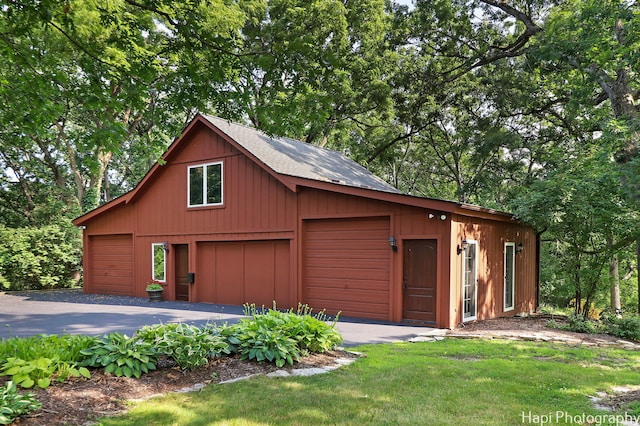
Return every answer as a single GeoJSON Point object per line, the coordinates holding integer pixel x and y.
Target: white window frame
{"type": "Point", "coordinates": [475, 280]}
{"type": "Point", "coordinates": [204, 184]}
{"type": "Point", "coordinates": [153, 262]}
{"type": "Point", "coordinates": [506, 302]}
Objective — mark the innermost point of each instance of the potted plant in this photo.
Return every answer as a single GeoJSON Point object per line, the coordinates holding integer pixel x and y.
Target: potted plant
{"type": "Point", "coordinates": [154, 290]}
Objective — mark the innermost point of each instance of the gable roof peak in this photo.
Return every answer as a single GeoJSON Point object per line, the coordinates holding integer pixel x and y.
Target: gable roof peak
{"type": "Point", "coordinates": [291, 157]}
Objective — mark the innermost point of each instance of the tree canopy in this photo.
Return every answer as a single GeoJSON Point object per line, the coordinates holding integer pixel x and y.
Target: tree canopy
{"type": "Point", "coordinates": [529, 105]}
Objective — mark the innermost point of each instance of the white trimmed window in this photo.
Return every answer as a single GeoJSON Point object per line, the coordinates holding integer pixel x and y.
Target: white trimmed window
{"type": "Point", "coordinates": [205, 185]}
{"type": "Point", "coordinates": [158, 262]}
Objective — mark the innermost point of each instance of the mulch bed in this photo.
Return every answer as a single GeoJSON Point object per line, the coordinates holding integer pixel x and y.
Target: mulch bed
{"type": "Point", "coordinates": [80, 401]}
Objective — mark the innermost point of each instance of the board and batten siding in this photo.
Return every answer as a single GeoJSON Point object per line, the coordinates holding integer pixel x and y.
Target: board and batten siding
{"type": "Point", "coordinates": [405, 223]}
{"type": "Point", "coordinates": [491, 236]}
{"type": "Point", "coordinates": [253, 200]}
{"type": "Point", "coordinates": [290, 239]}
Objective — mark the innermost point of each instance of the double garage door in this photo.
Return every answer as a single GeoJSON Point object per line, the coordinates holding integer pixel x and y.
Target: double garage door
{"type": "Point", "coordinates": [244, 272]}
{"type": "Point", "coordinates": [346, 266]}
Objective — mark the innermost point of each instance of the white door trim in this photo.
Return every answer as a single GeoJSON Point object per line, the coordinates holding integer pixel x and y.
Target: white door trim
{"type": "Point", "coordinates": [469, 293]}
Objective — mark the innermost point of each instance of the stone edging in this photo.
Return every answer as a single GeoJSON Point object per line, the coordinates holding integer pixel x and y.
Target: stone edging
{"type": "Point", "coordinates": [297, 372]}
{"type": "Point", "coordinates": [439, 334]}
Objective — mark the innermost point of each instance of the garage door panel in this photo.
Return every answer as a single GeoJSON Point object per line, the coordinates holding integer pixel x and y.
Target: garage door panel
{"type": "Point", "coordinates": [229, 273]}
{"type": "Point", "coordinates": [348, 237]}
{"type": "Point", "coordinates": [331, 283]}
{"type": "Point", "coordinates": [111, 264]}
{"type": "Point", "coordinates": [244, 272]}
{"type": "Point", "coordinates": [338, 254]}
{"type": "Point", "coordinates": [355, 274]}
{"type": "Point", "coordinates": [346, 295]}
{"type": "Point", "coordinates": [259, 274]}
{"type": "Point", "coordinates": [346, 266]}
{"type": "Point", "coordinates": [281, 273]}
{"type": "Point", "coordinates": [353, 225]}
{"type": "Point", "coordinates": [356, 309]}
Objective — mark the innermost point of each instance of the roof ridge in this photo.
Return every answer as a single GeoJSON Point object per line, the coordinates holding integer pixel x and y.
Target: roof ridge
{"type": "Point", "coordinates": [292, 157]}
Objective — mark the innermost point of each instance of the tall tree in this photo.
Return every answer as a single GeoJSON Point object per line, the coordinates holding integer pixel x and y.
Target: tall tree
{"type": "Point", "coordinates": [592, 50]}
{"type": "Point", "coordinates": [310, 68]}
{"type": "Point", "coordinates": [82, 81]}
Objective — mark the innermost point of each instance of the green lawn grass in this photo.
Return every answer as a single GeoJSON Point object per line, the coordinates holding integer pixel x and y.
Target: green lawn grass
{"type": "Point", "coordinates": [456, 382]}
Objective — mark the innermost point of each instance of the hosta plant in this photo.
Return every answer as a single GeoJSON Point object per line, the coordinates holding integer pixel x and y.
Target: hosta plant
{"type": "Point", "coordinates": [254, 340]}
{"type": "Point", "coordinates": [40, 371]}
{"type": "Point", "coordinates": [121, 355]}
{"type": "Point", "coordinates": [189, 346]}
{"type": "Point", "coordinates": [311, 331]}
{"type": "Point", "coordinates": [14, 404]}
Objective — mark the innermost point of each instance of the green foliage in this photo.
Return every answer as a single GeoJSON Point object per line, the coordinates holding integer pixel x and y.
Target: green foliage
{"type": "Point", "coordinates": [14, 404]}
{"type": "Point", "coordinates": [38, 258]}
{"type": "Point", "coordinates": [121, 355]}
{"type": "Point", "coordinates": [66, 347]}
{"type": "Point", "coordinates": [154, 287]}
{"type": "Point", "coordinates": [189, 346]}
{"type": "Point", "coordinates": [38, 360]}
{"type": "Point", "coordinates": [27, 373]}
{"type": "Point", "coordinates": [311, 331]}
{"type": "Point", "coordinates": [580, 210]}
{"type": "Point", "coordinates": [627, 327]}
{"type": "Point", "coordinates": [255, 341]}
{"type": "Point", "coordinates": [40, 371]}
{"type": "Point", "coordinates": [280, 337]}
{"type": "Point", "coordinates": [579, 324]}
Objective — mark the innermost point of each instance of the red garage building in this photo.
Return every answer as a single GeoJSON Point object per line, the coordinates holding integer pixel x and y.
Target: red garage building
{"type": "Point", "coordinates": [233, 216]}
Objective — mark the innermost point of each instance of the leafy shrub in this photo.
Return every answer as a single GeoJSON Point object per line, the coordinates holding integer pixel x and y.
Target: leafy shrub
{"type": "Point", "coordinates": [27, 373]}
{"type": "Point", "coordinates": [66, 347]}
{"type": "Point", "coordinates": [255, 340]}
{"type": "Point", "coordinates": [281, 337]}
{"type": "Point", "coordinates": [38, 258]}
{"type": "Point", "coordinates": [580, 325]}
{"type": "Point", "coordinates": [553, 324]}
{"type": "Point", "coordinates": [189, 346]}
{"type": "Point", "coordinates": [625, 327]}
{"type": "Point", "coordinates": [312, 332]}
{"type": "Point", "coordinates": [39, 359]}
{"type": "Point", "coordinates": [40, 371]}
{"type": "Point", "coordinates": [121, 355]}
{"type": "Point", "coordinates": [153, 333]}
{"type": "Point", "coordinates": [14, 404]}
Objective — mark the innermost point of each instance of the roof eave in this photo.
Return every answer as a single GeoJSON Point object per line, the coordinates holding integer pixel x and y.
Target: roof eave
{"type": "Point", "coordinates": [444, 206]}
{"type": "Point", "coordinates": [81, 220]}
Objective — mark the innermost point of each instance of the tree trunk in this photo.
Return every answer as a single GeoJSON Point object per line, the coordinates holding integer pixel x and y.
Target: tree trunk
{"type": "Point", "coordinates": [614, 279]}
{"type": "Point", "coordinates": [638, 269]}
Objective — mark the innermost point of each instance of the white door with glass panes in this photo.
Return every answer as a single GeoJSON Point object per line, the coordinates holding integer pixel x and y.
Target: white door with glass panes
{"type": "Point", "coordinates": [470, 281]}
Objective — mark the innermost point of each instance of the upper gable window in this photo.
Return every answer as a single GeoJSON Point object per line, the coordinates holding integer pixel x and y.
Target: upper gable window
{"type": "Point", "coordinates": [205, 185]}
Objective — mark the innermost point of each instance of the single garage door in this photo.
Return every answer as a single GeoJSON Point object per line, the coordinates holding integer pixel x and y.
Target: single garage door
{"type": "Point", "coordinates": [244, 272]}
{"type": "Point", "coordinates": [346, 266]}
{"type": "Point", "coordinates": [111, 265]}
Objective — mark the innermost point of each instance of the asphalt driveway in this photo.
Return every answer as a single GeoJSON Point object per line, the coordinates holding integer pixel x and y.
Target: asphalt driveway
{"type": "Point", "coordinates": [72, 312]}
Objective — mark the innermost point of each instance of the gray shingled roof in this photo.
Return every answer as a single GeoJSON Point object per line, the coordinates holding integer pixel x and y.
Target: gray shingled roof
{"type": "Point", "coordinates": [294, 158]}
